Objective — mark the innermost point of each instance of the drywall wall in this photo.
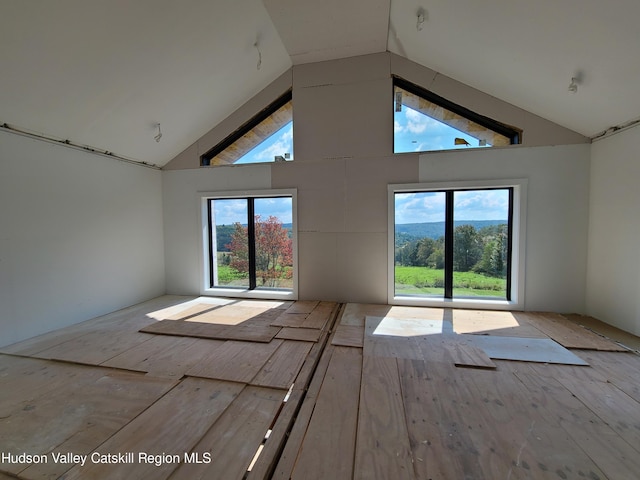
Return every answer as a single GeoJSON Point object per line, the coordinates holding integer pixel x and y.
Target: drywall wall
{"type": "Point", "coordinates": [80, 236]}
{"type": "Point", "coordinates": [343, 144]}
{"type": "Point", "coordinates": [613, 276]}
{"type": "Point", "coordinates": [557, 213]}
{"type": "Point", "coordinates": [182, 222]}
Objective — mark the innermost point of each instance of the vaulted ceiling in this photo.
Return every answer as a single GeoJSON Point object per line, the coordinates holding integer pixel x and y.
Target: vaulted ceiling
{"type": "Point", "coordinates": [105, 73]}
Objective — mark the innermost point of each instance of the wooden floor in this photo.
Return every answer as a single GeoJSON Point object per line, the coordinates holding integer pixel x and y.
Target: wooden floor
{"type": "Point", "coordinates": [188, 388]}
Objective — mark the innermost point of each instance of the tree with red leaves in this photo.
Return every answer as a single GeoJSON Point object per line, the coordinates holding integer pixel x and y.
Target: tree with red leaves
{"type": "Point", "coordinates": [274, 251]}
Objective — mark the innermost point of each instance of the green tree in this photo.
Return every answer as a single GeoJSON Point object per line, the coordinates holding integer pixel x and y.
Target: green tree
{"type": "Point", "coordinates": [467, 249]}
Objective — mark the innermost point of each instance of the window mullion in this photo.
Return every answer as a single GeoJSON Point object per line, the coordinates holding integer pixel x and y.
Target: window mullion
{"type": "Point", "coordinates": [448, 245]}
{"type": "Point", "coordinates": [251, 232]}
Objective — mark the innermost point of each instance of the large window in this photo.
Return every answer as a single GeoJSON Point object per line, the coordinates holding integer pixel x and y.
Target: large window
{"type": "Point", "coordinates": [456, 243]}
{"type": "Point", "coordinates": [424, 121]}
{"type": "Point", "coordinates": [267, 137]}
{"type": "Point", "coordinates": [249, 244]}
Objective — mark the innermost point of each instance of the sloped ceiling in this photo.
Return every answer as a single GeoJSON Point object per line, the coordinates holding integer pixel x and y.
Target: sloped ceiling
{"type": "Point", "coordinates": [104, 73]}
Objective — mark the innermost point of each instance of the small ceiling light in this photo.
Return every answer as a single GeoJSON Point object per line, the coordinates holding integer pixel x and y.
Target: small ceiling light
{"type": "Point", "coordinates": [421, 14]}
{"type": "Point", "coordinates": [159, 135]}
{"type": "Point", "coordinates": [573, 86]}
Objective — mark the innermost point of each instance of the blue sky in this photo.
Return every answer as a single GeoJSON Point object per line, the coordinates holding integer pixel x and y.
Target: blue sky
{"type": "Point", "coordinates": [279, 143]}
{"type": "Point", "coordinates": [230, 211]}
{"type": "Point", "coordinates": [424, 207]}
{"type": "Point", "coordinates": [416, 132]}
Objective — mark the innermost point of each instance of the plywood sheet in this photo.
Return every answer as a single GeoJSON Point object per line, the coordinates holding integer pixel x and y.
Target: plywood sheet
{"type": "Point", "coordinates": [303, 334]}
{"type": "Point", "coordinates": [611, 453]}
{"type": "Point", "coordinates": [165, 355]}
{"type": "Point", "coordinates": [525, 349]}
{"type": "Point", "coordinates": [281, 369]}
{"type": "Point", "coordinates": [320, 315]}
{"type": "Point", "coordinates": [235, 437]}
{"type": "Point", "coordinates": [259, 334]}
{"type": "Point", "coordinates": [483, 322]}
{"type": "Point", "coordinates": [169, 426]}
{"type": "Point", "coordinates": [348, 336]}
{"type": "Point", "coordinates": [83, 409]}
{"type": "Point", "coordinates": [294, 320]}
{"type": "Point", "coordinates": [235, 361]}
{"type": "Point", "coordinates": [332, 430]}
{"type": "Point", "coordinates": [567, 333]}
{"type": "Point", "coordinates": [96, 347]}
{"type": "Point", "coordinates": [406, 327]}
{"type": "Point", "coordinates": [302, 306]}
{"type": "Point", "coordinates": [628, 340]}
{"type": "Point", "coordinates": [382, 449]}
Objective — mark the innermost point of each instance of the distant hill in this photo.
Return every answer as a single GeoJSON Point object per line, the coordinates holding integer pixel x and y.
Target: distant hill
{"type": "Point", "coordinates": [435, 230]}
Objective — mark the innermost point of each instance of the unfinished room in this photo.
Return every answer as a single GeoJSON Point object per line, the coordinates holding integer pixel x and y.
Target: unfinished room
{"type": "Point", "coordinates": [280, 239]}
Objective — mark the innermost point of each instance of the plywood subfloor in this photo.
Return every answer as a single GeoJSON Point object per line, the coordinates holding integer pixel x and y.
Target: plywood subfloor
{"type": "Point", "coordinates": [341, 391]}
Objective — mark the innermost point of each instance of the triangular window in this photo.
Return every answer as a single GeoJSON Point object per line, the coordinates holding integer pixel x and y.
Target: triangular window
{"type": "Point", "coordinates": [267, 137]}
{"type": "Point", "coordinates": [424, 121]}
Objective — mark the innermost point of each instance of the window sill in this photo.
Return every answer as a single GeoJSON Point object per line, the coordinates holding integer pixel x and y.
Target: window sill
{"type": "Point", "coordinates": [487, 304]}
{"type": "Point", "coordinates": [246, 293]}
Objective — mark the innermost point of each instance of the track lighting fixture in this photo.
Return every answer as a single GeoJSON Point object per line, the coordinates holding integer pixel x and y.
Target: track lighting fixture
{"type": "Point", "coordinates": [421, 14]}
{"type": "Point", "coordinates": [159, 134]}
{"type": "Point", "coordinates": [573, 86]}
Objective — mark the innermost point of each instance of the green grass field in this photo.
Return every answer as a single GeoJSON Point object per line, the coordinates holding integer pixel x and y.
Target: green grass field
{"type": "Point", "coordinates": [429, 281]}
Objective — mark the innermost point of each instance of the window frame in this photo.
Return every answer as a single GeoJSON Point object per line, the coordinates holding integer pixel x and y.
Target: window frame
{"type": "Point", "coordinates": [206, 261]}
{"type": "Point", "coordinates": [512, 133]}
{"type": "Point", "coordinates": [282, 100]}
{"type": "Point", "coordinates": [516, 274]}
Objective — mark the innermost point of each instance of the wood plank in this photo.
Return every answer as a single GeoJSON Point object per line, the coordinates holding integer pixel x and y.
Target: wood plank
{"type": "Point", "coordinates": [235, 361]}
{"type": "Point", "coordinates": [612, 454]}
{"type": "Point", "coordinates": [440, 420]}
{"type": "Point", "coordinates": [486, 322]}
{"type": "Point", "coordinates": [165, 355]}
{"type": "Point", "coordinates": [303, 334]}
{"type": "Point", "coordinates": [235, 437]}
{"type": "Point", "coordinates": [527, 443]}
{"type": "Point", "coordinates": [567, 333]}
{"type": "Point", "coordinates": [168, 426]}
{"type": "Point", "coordinates": [293, 320]}
{"type": "Point", "coordinates": [465, 354]}
{"type": "Point", "coordinates": [542, 350]}
{"type": "Point", "coordinates": [348, 336]}
{"type": "Point", "coordinates": [302, 306]}
{"type": "Point", "coordinates": [259, 334]}
{"type": "Point", "coordinates": [621, 337]}
{"type": "Point", "coordinates": [320, 315]}
{"type": "Point", "coordinates": [620, 369]}
{"type": "Point", "coordinates": [96, 347]}
{"type": "Point", "coordinates": [332, 430]}
{"type": "Point", "coordinates": [382, 448]}
{"type": "Point", "coordinates": [282, 368]}
{"type": "Point", "coordinates": [612, 405]}
{"type": "Point", "coordinates": [278, 458]}
{"type": "Point", "coordinates": [86, 407]}
{"type": "Point", "coordinates": [390, 346]}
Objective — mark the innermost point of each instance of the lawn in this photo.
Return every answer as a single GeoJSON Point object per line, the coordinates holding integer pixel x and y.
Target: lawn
{"type": "Point", "coordinates": [429, 281]}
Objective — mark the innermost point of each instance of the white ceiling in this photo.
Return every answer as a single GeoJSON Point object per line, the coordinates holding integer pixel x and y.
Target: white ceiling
{"type": "Point", "coordinates": [104, 73]}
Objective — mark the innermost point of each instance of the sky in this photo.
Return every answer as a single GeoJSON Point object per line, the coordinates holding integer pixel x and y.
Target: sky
{"type": "Point", "coordinates": [425, 207]}
{"type": "Point", "coordinates": [230, 211]}
{"type": "Point", "coordinates": [279, 143]}
{"type": "Point", "coordinates": [416, 132]}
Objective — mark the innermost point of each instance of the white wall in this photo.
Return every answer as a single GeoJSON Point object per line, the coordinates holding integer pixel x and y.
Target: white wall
{"type": "Point", "coordinates": [181, 205]}
{"type": "Point", "coordinates": [613, 277]}
{"type": "Point", "coordinates": [80, 236]}
{"type": "Point", "coordinates": [343, 149]}
{"type": "Point", "coordinates": [557, 213]}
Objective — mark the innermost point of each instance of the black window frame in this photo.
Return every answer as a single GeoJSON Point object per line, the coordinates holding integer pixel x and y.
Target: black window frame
{"type": "Point", "coordinates": [205, 159]}
{"type": "Point", "coordinates": [251, 240]}
{"type": "Point", "coordinates": [513, 134]}
{"type": "Point", "coordinates": [449, 239]}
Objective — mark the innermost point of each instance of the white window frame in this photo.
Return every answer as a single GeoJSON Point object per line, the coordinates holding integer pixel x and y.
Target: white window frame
{"type": "Point", "coordinates": [242, 292]}
{"type": "Point", "coordinates": [518, 246]}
